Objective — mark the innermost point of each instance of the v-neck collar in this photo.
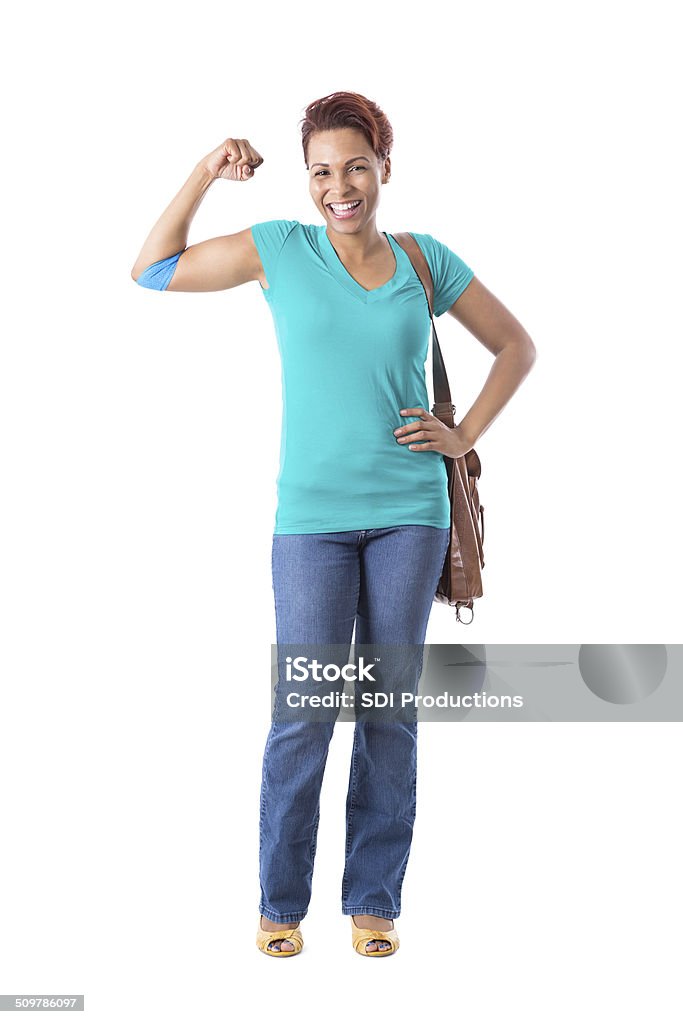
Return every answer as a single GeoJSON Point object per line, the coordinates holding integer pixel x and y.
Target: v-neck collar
{"type": "Point", "coordinates": [345, 279]}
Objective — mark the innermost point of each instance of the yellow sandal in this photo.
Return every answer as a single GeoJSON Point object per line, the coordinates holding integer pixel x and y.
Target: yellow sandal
{"type": "Point", "coordinates": [361, 936]}
{"type": "Point", "coordinates": [293, 935]}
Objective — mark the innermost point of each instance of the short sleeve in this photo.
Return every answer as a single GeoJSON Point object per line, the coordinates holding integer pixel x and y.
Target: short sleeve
{"type": "Point", "coordinates": [450, 274]}
{"type": "Point", "coordinates": [158, 275]}
{"type": "Point", "coordinates": [269, 238]}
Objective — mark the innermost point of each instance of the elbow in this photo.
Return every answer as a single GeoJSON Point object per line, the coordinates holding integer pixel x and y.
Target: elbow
{"type": "Point", "coordinates": [522, 351]}
{"type": "Point", "coordinates": [156, 275]}
{"type": "Point", "coordinates": [137, 270]}
{"type": "Point", "coordinates": [526, 350]}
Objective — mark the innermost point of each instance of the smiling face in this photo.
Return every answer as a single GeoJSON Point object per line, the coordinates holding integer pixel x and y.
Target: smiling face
{"type": "Point", "coordinates": [343, 169]}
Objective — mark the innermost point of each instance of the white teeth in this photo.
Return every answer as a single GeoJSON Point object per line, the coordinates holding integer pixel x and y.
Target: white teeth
{"type": "Point", "coordinates": [344, 206]}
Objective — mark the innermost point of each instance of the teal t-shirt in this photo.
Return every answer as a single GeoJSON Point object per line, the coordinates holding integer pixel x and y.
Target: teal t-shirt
{"type": "Point", "coordinates": [351, 359]}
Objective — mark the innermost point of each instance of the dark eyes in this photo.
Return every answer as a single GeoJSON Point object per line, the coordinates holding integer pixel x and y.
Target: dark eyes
{"type": "Point", "coordinates": [360, 167]}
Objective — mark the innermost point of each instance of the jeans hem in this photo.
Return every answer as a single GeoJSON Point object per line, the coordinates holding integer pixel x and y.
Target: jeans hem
{"type": "Point", "coordinates": [281, 918]}
{"type": "Point", "coordinates": [374, 911]}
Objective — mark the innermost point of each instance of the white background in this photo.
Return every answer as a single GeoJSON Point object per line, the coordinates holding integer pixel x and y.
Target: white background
{"type": "Point", "coordinates": [140, 435]}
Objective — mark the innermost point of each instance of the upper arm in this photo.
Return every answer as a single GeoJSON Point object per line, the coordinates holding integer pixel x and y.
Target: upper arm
{"type": "Point", "coordinates": [488, 319]}
{"type": "Point", "coordinates": [217, 264]}
{"type": "Point", "coordinates": [457, 291]}
{"type": "Point", "coordinates": [223, 262]}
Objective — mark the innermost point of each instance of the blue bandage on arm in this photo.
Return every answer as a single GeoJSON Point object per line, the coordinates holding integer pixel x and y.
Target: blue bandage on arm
{"type": "Point", "coordinates": [159, 274]}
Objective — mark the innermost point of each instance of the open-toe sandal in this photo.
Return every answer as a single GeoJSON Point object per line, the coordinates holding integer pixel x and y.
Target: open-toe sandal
{"type": "Point", "coordinates": [361, 936]}
{"type": "Point", "coordinates": [293, 935]}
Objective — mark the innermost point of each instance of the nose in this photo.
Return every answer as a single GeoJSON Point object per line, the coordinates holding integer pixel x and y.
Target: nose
{"type": "Point", "coordinates": [337, 186]}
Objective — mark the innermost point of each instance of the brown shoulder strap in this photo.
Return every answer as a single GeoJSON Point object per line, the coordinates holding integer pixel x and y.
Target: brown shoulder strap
{"type": "Point", "coordinates": [443, 406]}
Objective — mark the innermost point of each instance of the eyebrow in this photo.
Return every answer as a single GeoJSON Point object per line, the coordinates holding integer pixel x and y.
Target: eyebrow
{"type": "Point", "coordinates": [350, 160]}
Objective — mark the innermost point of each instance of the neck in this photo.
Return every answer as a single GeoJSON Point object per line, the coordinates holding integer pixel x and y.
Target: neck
{"type": "Point", "coordinates": [358, 244]}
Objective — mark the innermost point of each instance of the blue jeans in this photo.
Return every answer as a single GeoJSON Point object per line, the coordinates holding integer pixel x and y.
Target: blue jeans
{"type": "Point", "coordinates": [382, 581]}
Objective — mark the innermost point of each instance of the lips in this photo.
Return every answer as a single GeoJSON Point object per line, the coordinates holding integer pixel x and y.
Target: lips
{"type": "Point", "coordinates": [347, 213]}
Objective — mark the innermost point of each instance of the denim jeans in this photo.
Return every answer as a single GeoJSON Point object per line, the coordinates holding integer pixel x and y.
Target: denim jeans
{"type": "Point", "coordinates": [383, 582]}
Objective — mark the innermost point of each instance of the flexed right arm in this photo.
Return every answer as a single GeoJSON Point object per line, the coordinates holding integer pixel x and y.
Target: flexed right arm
{"type": "Point", "coordinates": [166, 263]}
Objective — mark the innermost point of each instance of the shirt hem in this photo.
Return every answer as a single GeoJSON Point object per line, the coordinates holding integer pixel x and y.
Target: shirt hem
{"type": "Point", "coordinates": [345, 527]}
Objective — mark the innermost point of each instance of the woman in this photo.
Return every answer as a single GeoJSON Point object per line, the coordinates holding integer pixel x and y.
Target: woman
{"type": "Point", "coordinates": [363, 513]}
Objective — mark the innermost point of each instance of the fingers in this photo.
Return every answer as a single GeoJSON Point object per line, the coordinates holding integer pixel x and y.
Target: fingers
{"type": "Point", "coordinates": [420, 430]}
{"type": "Point", "coordinates": [419, 435]}
{"type": "Point", "coordinates": [422, 436]}
{"type": "Point", "coordinates": [425, 423]}
{"type": "Point", "coordinates": [242, 157]}
{"type": "Point", "coordinates": [255, 158]}
{"type": "Point", "coordinates": [413, 435]}
{"type": "Point", "coordinates": [250, 160]}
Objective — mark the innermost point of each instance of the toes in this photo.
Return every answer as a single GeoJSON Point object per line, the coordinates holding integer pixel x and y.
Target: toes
{"type": "Point", "coordinates": [281, 946]}
{"type": "Point", "coordinates": [377, 946]}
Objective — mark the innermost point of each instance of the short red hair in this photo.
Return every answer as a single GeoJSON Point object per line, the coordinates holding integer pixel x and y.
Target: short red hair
{"type": "Point", "coordinates": [348, 110]}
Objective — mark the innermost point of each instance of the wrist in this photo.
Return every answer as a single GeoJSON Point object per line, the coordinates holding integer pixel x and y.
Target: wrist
{"type": "Point", "coordinates": [202, 176]}
{"type": "Point", "coordinates": [469, 436]}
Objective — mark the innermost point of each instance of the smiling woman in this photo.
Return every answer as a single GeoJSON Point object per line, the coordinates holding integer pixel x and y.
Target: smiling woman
{"type": "Point", "coordinates": [362, 525]}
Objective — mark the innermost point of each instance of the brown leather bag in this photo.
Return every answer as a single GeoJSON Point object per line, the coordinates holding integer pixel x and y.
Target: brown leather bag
{"type": "Point", "coordinates": [460, 581]}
